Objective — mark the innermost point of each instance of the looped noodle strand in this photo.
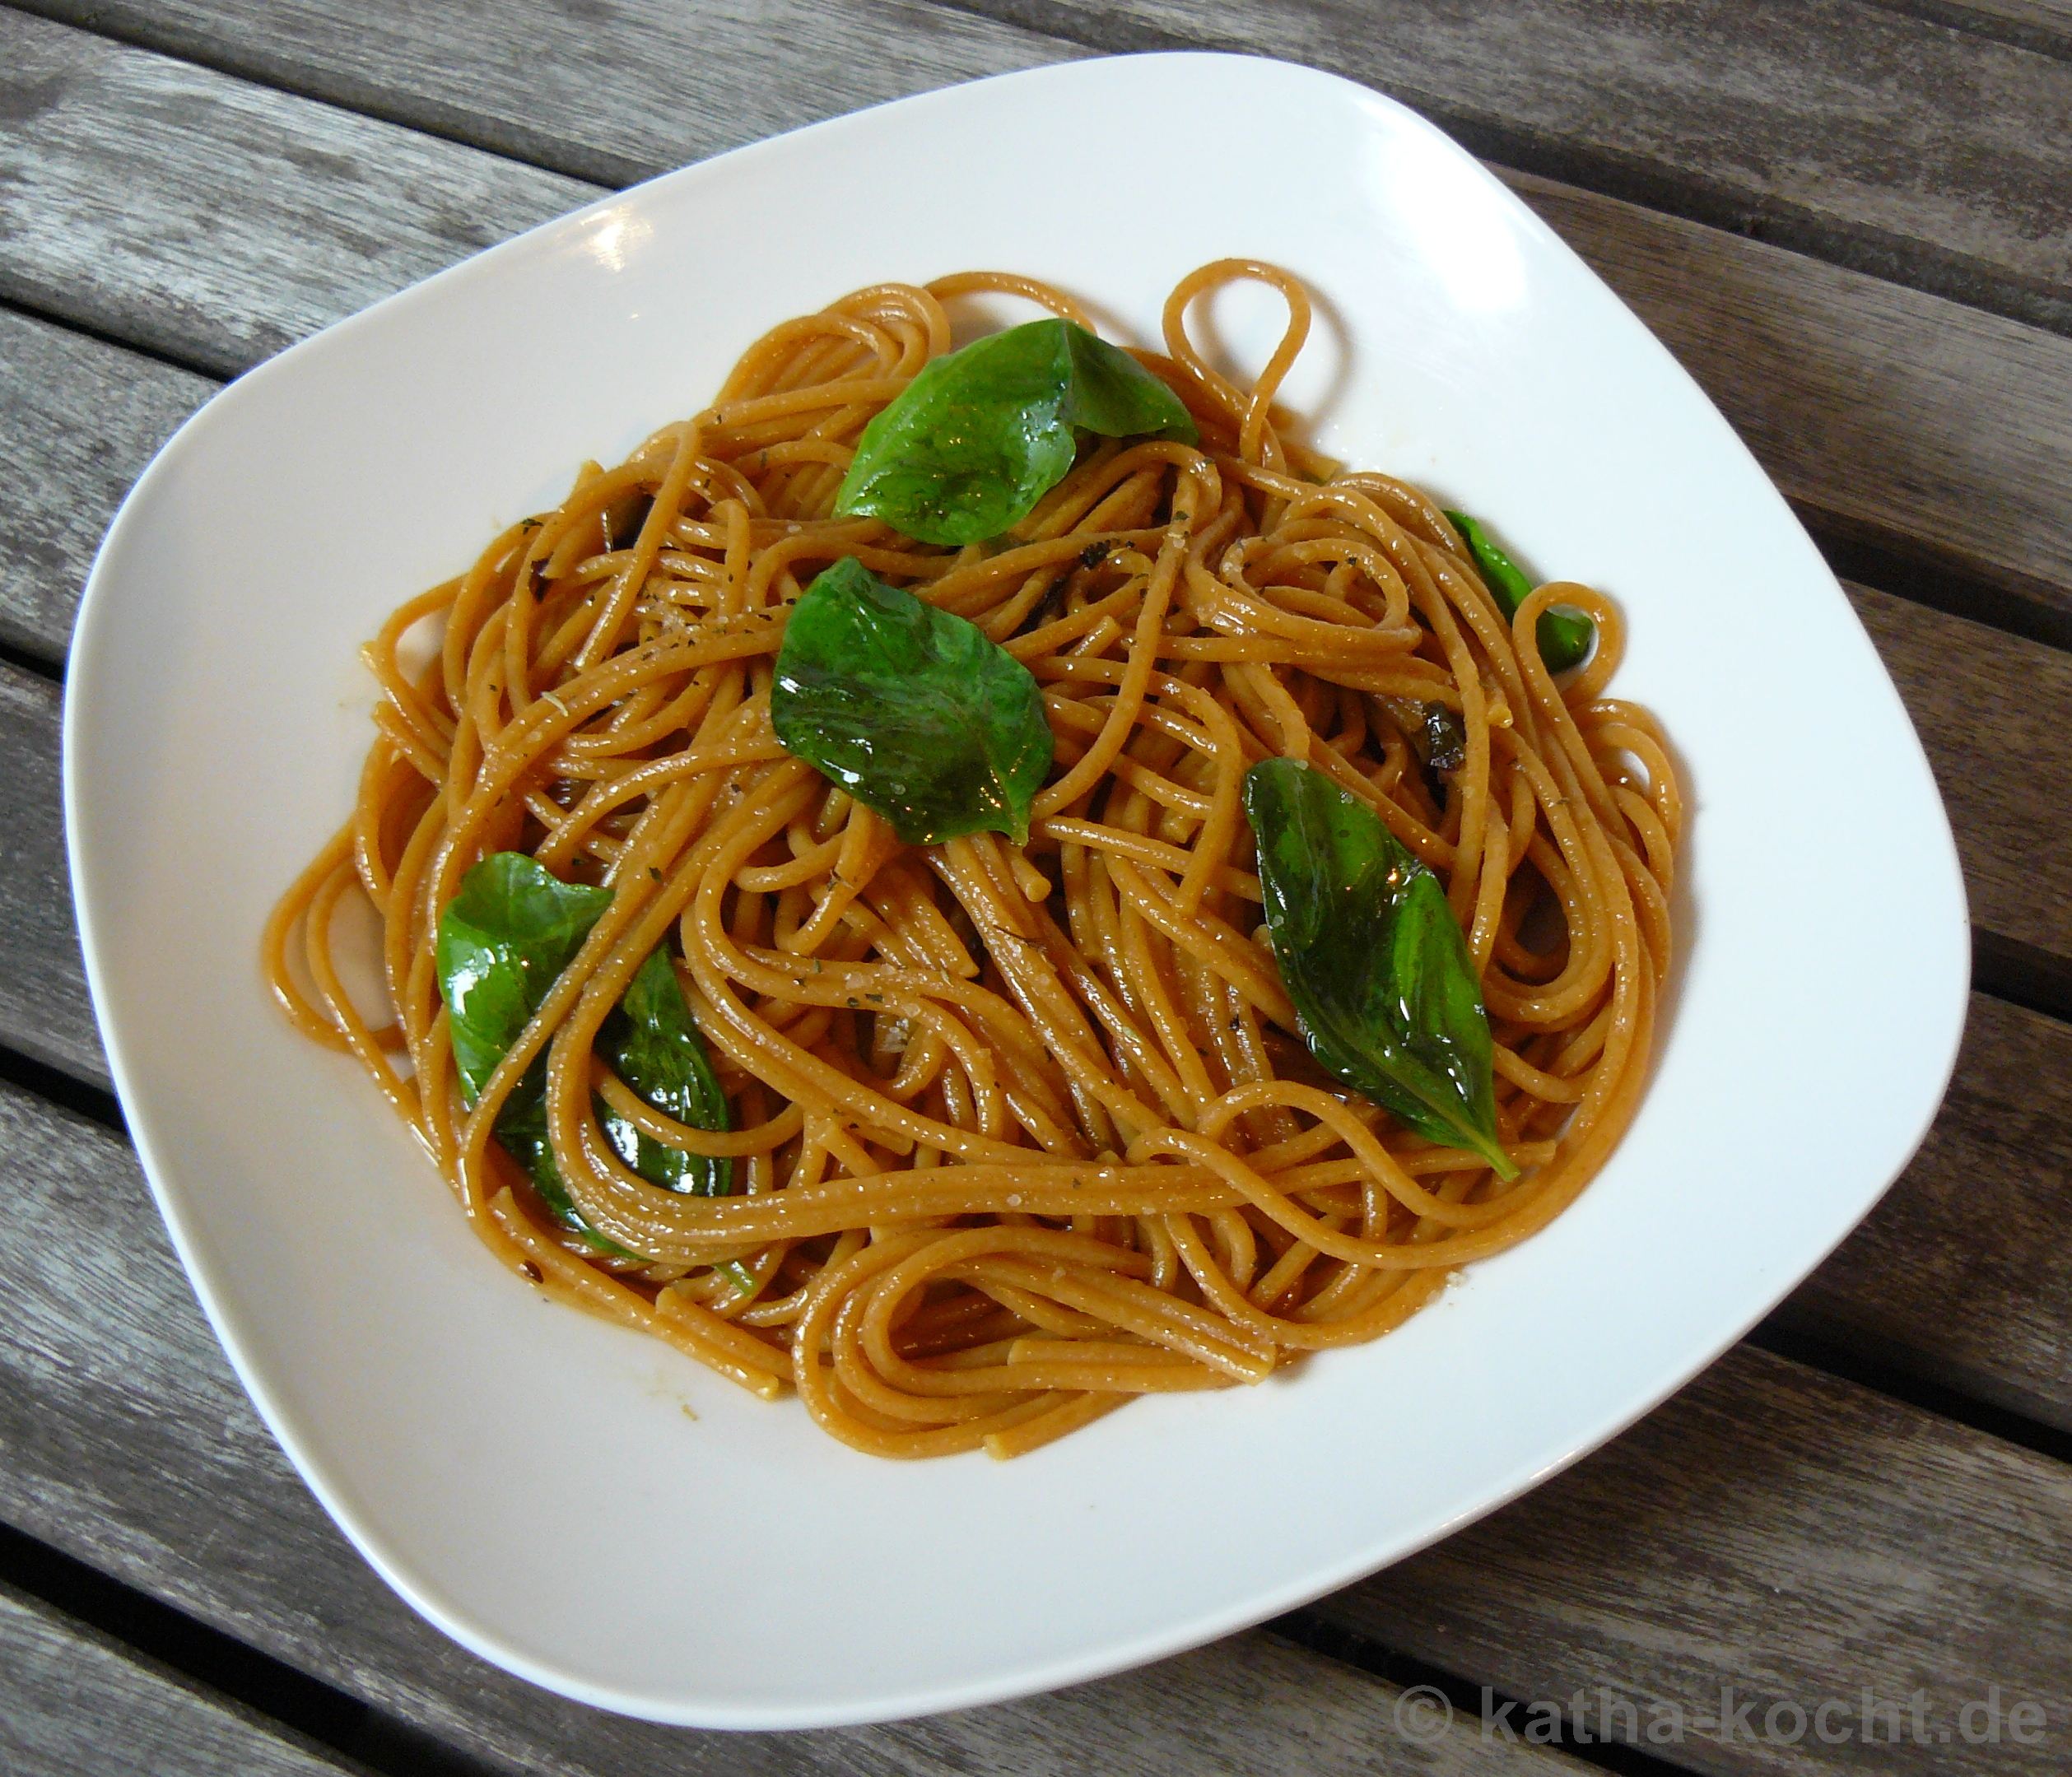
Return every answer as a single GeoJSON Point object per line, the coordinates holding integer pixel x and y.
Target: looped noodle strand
{"type": "Point", "coordinates": [1017, 1133]}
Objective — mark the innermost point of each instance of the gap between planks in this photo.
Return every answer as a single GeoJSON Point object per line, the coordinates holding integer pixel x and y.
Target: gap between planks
{"type": "Point", "coordinates": [1794, 125]}
{"type": "Point", "coordinates": [1768, 1524]}
{"type": "Point", "coordinates": [74, 1700]}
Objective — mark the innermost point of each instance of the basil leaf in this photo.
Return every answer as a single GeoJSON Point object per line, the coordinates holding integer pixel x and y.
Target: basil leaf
{"type": "Point", "coordinates": [521, 1127]}
{"type": "Point", "coordinates": [652, 1044]}
{"type": "Point", "coordinates": [1372, 958]}
{"type": "Point", "coordinates": [502, 941]}
{"type": "Point", "coordinates": [917, 714]}
{"type": "Point", "coordinates": [967, 449]}
{"type": "Point", "coordinates": [1565, 636]}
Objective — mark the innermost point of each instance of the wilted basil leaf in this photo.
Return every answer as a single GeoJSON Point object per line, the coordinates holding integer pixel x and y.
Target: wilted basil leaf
{"type": "Point", "coordinates": [970, 445]}
{"type": "Point", "coordinates": [1373, 959]}
{"type": "Point", "coordinates": [504, 940]}
{"type": "Point", "coordinates": [521, 1127]}
{"type": "Point", "coordinates": [652, 1044]}
{"type": "Point", "coordinates": [917, 714]}
{"type": "Point", "coordinates": [1565, 635]}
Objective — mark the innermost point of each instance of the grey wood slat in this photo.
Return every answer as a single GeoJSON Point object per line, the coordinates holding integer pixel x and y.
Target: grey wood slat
{"type": "Point", "coordinates": [1890, 415]}
{"type": "Point", "coordinates": [218, 221]}
{"type": "Point", "coordinates": [1211, 1692]}
{"type": "Point", "coordinates": [1887, 415]}
{"type": "Point", "coordinates": [1788, 1534]}
{"type": "Point", "coordinates": [123, 1439]}
{"type": "Point", "coordinates": [1960, 1275]}
{"type": "Point", "coordinates": [611, 93]}
{"type": "Point", "coordinates": [1866, 136]}
{"type": "Point", "coordinates": [126, 1441]}
{"type": "Point", "coordinates": [82, 418]}
{"type": "Point", "coordinates": [1994, 713]}
{"type": "Point", "coordinates": [2043, 25]}
{"type": "Point", "coordinates": [1784, 119]}
{"type": "Point", "coordinates": [75, 1703]}
{"type": "Point", "coordinates": [45, 1010]}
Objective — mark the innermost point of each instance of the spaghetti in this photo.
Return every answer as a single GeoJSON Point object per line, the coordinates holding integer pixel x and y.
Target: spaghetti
{"type": "Point", "coordinates": [1017, 1132]}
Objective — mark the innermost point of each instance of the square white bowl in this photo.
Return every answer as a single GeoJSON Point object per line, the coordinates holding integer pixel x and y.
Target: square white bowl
{"type": "Point", "coordinates": [528, 1478]}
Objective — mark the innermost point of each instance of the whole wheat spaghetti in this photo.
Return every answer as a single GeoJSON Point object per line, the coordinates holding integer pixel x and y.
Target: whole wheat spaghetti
{"type": "Point", "coordinates": [1017, 1133]}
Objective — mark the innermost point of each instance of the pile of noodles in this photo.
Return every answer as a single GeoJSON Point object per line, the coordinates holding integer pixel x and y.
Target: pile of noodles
{"type": "Point", "coordinates": [1017, 1132]}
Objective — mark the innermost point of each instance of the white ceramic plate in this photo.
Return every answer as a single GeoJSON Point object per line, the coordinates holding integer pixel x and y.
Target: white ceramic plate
{"type": "Point", "coordinates": [528, 1478]}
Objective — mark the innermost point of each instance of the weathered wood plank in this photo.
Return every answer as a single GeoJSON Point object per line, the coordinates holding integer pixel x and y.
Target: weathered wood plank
{"type": "Point", "coordinates": [1860, 398]}
{"type": "Point", "coordinates": [611, 93]}
{"type": "Point", "coordinates": [1887, 415]}
{"type": "Point", "coordinates": [74, 1703]}
{"type": "Point", "coordinates": [1994, 713]}
{"type": "Point", "coordinates": [123, 1439]}
{"type": "Point", "coordinates": [1246, 1705]}
{"type": "Point", "coordinates": [1890, 416]}
{"type": "Point", "coordinates": [45, 1010]}
{"type": "Point", "coordinates": [1783, 1533]}
{"type": "Point", "coordinates": [1783, 124]}
{"type": "Point", "coordinates": [214, 220]}
{"type": "Point", "coordinates": [1865, 135]}
{"type": "Point", "coordinates": [1960, 1275]}
{"type": "Point", "coordinates": [2043, 25]}
{"type": "Point", "coordinates": [82, 418]}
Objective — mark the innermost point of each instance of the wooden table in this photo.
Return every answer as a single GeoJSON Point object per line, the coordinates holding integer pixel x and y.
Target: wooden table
{"type": "Point", "coordinates": [1848, 217]}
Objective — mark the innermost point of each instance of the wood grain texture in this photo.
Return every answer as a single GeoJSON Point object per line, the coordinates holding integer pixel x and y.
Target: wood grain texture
{"type": "Point", "coordinates": [1887, 416]}
{"type": "Point", "coordinates": [1710, 1530]}
{"type": "Point", "coordinates": [43, 1008]}
{"type": "Point", "coordinates": [1847, 1541]}
{"type": "Point", "coordinates": [216, 221]}
{"type": "Point", "coordinates": [1892, 417]}
{"type": "Point", "coordinates": [1994, 713]}
{"type": "Point", "coordinates": [1863, 398]}
{"type": "Point", "coordinates": [2043, 25]}
{"type": "Point", "coordinates": [1961, 1274]}
{"type": "Point", "coordinates": [81, 419]}
{"type": "Point", "coordinates": [1857, 130]}
{"type": "Point", "coordinates": [73, 1703]}
{"type": "Point", "coordinates": [1867, 136]}
{"type": "Point", "coordinates": [126, 1441]}
{"type": "Point", "coordinates": [1782, 1532]}
{"type": "Point", "coordinates": [613, 91]}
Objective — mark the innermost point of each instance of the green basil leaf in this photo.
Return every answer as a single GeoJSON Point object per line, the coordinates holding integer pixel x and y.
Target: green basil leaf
{"type": "Point", "coordinates": [917, 714]}
{"type": "Point", "coordinates": [521, 1127]}
{"type": "Point", "coordinates": [1372, 958]}
{"type": "Point", "coordinates": [502, 941]}
{"type": "Point", "coordinates": [1565, 636]}
{"type": "Point", "coordinates": [968, 449]}
{"type": "Point", "coordinates": [652, 1043]}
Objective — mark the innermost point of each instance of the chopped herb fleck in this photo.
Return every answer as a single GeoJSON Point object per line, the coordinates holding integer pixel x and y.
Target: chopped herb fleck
{"type": "Point", "coordinates": [1446, 739]}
